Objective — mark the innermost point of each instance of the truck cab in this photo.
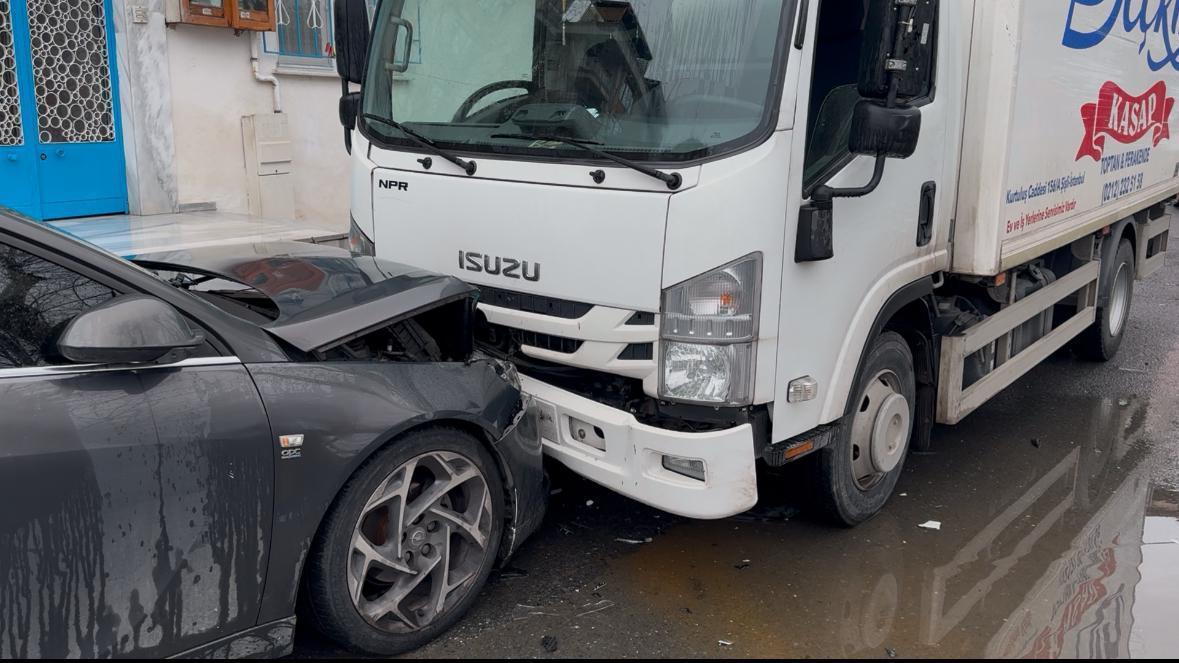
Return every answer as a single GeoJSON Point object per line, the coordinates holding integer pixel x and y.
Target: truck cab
{"type": "Point", "coordinates": [712, 236]}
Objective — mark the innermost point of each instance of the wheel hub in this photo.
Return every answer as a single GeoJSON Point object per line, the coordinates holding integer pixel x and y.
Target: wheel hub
{"type": "Point", "coordinates": [418, 538]}
{"type": "Point", "coordinates": [889, 433]}
{"type": "Point", "coordinates": [880, 430]}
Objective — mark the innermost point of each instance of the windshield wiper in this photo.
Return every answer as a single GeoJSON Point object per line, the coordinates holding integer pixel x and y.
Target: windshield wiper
{"type": "Point", "coordinates": [673, 180]}
{"type": "Point", "coordinates": [469, 166]}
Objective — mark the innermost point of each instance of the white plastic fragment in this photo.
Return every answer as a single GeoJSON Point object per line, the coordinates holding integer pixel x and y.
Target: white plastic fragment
{"type": "Point", "coordinates": [724, 643]}
{"type": "Point", "coordinates": [931, 524]}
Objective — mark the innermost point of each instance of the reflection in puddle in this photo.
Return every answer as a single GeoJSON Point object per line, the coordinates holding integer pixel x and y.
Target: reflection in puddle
{"type": "Point", "coordinates": [1063, 548]}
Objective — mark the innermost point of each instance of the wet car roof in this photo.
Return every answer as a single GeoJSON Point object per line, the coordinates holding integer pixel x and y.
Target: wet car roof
{"type": "Point", "coordinates": [324, 295]}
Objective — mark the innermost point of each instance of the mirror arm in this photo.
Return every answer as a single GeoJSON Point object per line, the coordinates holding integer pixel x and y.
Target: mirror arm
{"type": "Point", "coordinates": [344, 90]}
{"type": "Point", "coordinates": [824, 194]}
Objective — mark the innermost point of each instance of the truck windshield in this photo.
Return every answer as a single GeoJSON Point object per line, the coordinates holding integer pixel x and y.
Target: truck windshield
{"type": "Point", "coordinates": [653, 80]}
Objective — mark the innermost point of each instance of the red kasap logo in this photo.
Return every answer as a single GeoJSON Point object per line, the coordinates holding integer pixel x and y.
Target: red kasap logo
{"type": "Point", "coordinates": [1125, 118]}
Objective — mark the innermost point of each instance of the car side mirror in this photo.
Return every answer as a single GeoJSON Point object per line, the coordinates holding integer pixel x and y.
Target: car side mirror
{"type": "Point", "coordinates": [131, 329]}
{"type": "Point", "coordinates": [352, 39]}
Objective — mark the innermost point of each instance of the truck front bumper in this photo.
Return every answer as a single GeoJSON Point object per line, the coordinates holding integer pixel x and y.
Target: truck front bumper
{"type": "Point", "coordinates": [573, 428]}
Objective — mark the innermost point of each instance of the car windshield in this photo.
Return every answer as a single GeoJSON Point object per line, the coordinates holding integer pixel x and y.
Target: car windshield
{"type": "Point", "coordinates": [656, 80]}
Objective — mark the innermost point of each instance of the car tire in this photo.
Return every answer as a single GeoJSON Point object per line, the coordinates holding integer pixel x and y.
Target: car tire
{"type": "Point", "coordinates": [852, 480]}
{"type": "Point", "coordinates": [352, 565]}
{"type": "Point", "coordinates": [1115, 296]}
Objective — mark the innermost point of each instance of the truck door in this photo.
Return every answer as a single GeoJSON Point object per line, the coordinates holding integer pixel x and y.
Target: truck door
{"type": "Point", "coordinates": [883, 241]}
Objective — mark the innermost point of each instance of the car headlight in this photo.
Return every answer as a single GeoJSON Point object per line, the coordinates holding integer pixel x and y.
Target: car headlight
{"type": "Point", "coordinates": [709, 326]}
{"type": "Point", "coordinates": [359, 243]}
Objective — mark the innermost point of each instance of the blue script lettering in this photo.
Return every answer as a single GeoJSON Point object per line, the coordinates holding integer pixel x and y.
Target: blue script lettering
{"type": "Point", "coordinates": [1137, 17]}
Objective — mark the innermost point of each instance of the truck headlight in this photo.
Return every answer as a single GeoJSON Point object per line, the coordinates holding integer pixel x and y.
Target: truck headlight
{"type": "Point", "coordinates": [708, 332]}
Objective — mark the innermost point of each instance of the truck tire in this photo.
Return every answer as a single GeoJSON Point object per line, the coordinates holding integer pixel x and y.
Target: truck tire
{"type": "Point", "coordinates": [376, 594]}
{"type": "Point", "coordinates": [857, 473]}
{"type": "Point", "coordinates": [1115, 294]}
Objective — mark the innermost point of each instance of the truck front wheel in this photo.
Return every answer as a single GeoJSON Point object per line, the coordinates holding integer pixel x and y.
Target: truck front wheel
{"type": "Point", "coordinates": [1115, 295]}
{"type": "Point", "coordinates": [858, 472]}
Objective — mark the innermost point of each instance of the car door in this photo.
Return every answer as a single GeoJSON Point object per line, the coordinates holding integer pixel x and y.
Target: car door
{"type": "Point", "coordinates": [137, 501]}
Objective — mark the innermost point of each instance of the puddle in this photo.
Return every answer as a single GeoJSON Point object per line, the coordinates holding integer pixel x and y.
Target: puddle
{"type": "Point", "coordinates": [1065, 548]}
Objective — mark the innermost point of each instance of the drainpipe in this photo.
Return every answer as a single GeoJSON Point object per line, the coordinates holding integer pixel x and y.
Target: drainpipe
{"type": "Point", "coordinates": [264, 78]}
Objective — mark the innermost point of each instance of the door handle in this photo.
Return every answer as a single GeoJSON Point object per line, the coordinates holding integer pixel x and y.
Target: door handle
{"type": "Point", "coordinates": [926, 213]}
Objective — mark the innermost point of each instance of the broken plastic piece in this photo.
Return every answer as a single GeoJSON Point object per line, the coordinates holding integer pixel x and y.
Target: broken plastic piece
{"type": "Point", "coordinates": [931, 524]}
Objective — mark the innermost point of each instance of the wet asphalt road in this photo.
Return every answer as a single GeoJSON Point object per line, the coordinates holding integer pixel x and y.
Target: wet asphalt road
{"type": "Point", "coordinates": [1059, 504]}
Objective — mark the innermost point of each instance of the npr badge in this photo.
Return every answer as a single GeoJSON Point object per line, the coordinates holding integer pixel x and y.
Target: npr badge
{"type": "Point", "coordinates": [292, 446]}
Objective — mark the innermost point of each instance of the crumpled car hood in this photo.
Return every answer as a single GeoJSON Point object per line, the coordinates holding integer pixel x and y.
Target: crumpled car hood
{"type": "Point", "coordinates": [324, 295]}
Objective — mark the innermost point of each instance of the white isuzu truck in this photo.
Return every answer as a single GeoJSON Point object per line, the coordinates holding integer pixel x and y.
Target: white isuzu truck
{"type": "Point", "coordinates": [716, 235]}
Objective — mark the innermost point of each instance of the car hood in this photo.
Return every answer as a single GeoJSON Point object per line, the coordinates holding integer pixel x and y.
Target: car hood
{"type": "Point", "coordinates": [324, 295]}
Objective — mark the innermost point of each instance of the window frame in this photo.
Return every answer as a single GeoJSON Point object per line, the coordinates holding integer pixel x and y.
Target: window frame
{"type": "Point", "coordinates": [916, 102]}
{"type": "Point", "coordinates": [312, 65]}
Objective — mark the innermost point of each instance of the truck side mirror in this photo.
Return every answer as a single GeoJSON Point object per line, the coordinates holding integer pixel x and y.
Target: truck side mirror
{"type": "Point", "coordinates": [352, 39]}
{"type": "Point", "coordinates": [900, 39]}
{"type": "Point", "coordinates": [880, 131]}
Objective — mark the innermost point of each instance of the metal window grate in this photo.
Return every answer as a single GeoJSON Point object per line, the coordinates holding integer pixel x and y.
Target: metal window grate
{"type": "Point", "coordinates": [72, 67]}
{"type": "Point", "coordinates": [11, 131]}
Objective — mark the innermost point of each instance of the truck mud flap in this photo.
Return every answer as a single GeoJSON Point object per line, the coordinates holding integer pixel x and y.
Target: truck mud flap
{"type": "Point", "coordinates": [955, 401]}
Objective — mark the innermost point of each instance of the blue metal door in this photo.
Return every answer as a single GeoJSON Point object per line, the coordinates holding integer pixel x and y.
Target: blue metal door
{"type": "Point", "coordinates": [61, 151]}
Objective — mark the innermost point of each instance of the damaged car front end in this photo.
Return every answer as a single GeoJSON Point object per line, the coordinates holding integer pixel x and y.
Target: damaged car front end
{"type": "Point", "coordinates": [314, 436]}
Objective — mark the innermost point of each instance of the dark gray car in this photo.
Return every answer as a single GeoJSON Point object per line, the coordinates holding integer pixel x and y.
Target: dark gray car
{"type": "Point", "coordinates": [190, 445]}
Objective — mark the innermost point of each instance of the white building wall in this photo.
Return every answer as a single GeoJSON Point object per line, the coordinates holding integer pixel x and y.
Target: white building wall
{"type": "Point", "coordinates": [207, 78]}
{"type": "Point", "coordinates": [213, 88]}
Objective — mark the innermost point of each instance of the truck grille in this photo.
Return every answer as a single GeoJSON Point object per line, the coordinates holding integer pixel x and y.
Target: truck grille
{"type": "Point", "coordinates": [638, 352]}
{"type": "Point", "coordinates": [537, 340]}
{"type": "Point", "coordinates": [519, 301]}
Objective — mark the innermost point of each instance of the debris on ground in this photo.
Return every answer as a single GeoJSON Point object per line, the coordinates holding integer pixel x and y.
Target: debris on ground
{"type": "Point", "coordinates": [743, 565]}
{"type": "Point", "coordinates": [513, 572]}
{"type": "Point", "coordinates": [549, 642]}
{"type": "Point", "coordinates": [589, 502]}
{"type": "Point", "coordinates": [556, 491]}
{"type": "Point", "coordinates": [1123, 402]}
{"type": "Point", "coordinates": [904, 494]}
{"type": "Point", "coordinates": [1036, 442]}
{"type": "Point", "coordinates": [724, 643]}
{"type": "Point", "coordinates": [892, 653]}
{"type": "Point", "coordinates": [596, 607]}
{"type": "Point", "coordinates": [931, 524]}
{"type": "Point", "coordinates": [634, 542]}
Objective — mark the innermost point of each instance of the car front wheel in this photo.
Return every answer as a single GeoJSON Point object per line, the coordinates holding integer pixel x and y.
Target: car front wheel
{"type": "Point", "coordinates": [408, 544]}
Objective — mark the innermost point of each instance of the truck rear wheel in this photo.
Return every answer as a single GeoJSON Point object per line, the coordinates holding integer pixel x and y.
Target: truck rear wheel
{"type": "Point", "coordinates": [858, 472]}
{"type": "Point", "coordinates": [1115, 295]}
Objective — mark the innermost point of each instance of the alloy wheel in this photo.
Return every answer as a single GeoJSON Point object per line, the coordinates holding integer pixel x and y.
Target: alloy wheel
{"type": "Point", "coordinates": [419, 542]}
